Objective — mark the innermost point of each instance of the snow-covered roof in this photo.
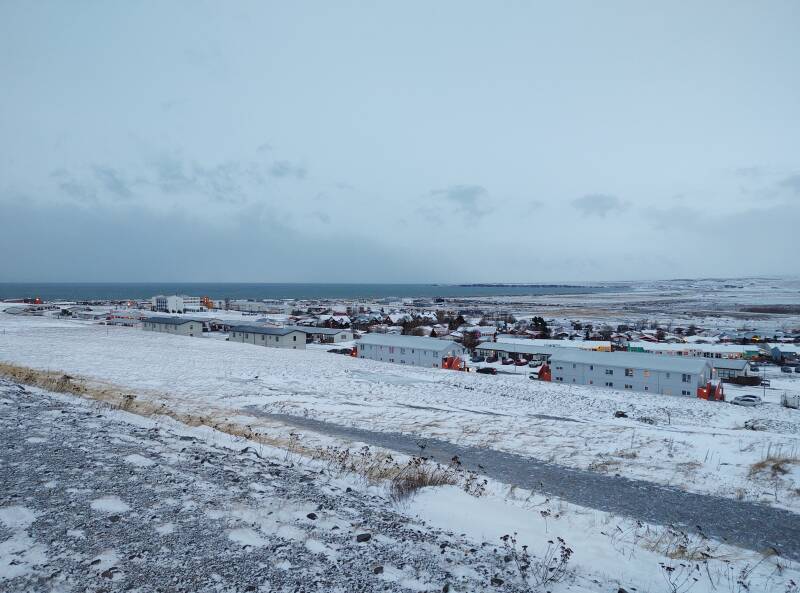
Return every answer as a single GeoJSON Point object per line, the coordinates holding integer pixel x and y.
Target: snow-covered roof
{"type": "Point", "coordinates": [420, 342]}
{"type": "Point", "coordinates": [634, 360]}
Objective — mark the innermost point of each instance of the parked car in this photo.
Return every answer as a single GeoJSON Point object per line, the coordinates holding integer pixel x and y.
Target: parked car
{"type": "Point", "coordinates": [755, 369]}
{"type": "Point", "coordinates": [511, 361]}
{"type": "Point", "coordinates": [765, 383]}
{"type": "Point", "coordinates": [478, 358]}
{"type": "Point", "coordinates": [533, 376]}
{"type": "Point", "coordinates": [492, 359]}
{"type": "Point", "coordinates": [746, 400]}
{"type": "Point", "coordinates": [797, 369]}
{"type": "Point", "coordinates": [786, 369]}
{"type": "Point", "coordinates": [487, 371]}
{"type": "Point", "coordinates": [521, 362]}
{"type": "Point", "coordinates": [535, 363]}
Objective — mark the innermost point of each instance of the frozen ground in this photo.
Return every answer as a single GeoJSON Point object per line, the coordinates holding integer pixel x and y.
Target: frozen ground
{"type": "Point", "coordinates": [682, 442]}
{"type": "Point", "coordinates": [101, 500]}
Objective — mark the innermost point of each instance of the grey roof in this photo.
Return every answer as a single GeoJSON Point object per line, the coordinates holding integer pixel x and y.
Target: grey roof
{"type": "Point", "coordinates": [733, 364]}
{"type": "Point", "coordinates": [169, 320]}
{"type": "Point", "coordinates": [634, 360]}
{"type": "Point", "coordinates": [260, 329]}
{"type": "Point", "coordinates": [408, 342]}
{"type": "Point", "coordinates": [325, 331]}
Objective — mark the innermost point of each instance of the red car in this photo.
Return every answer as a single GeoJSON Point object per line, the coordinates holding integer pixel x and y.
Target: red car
{"type": "Point", "coordinates": [487, 371]}
{"type": "Point", "coordinates": [521, 362]}
{"type": "Point", "coordinates": [507, 361]}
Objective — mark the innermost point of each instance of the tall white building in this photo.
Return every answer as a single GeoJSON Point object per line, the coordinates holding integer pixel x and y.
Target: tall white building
{"type": "Point", "coordinates": [176, 303]}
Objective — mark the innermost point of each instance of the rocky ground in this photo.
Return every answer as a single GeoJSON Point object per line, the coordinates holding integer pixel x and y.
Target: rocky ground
{"type": "Point", "coordinates": [94, 500]}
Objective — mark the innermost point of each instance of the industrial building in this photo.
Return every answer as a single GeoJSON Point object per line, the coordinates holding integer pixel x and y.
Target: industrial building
{"type": "Point", "coordinates": [409, 350]}
{"type": "Point", "coordinates": [179, 326]}
{"type": "Point", "coordinates": [668, 375]}
{"type": "Point", "coordinates": [272, 337]}
{"type": "Point", "coordinates": [176, 303]}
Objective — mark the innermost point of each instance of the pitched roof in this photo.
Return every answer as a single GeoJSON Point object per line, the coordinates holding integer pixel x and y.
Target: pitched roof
{"type": "Point", "coordinates": [420, 342]}
{"type": "Point", "coordinates": [634, 360]}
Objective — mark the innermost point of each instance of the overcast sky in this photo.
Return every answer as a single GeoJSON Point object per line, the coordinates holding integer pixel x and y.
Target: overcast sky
{"type": "Point", "coordinates": [398, 142]}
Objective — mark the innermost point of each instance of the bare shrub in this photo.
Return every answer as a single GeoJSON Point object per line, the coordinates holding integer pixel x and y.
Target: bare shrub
{"type": "Point", "coordinates": [404, 479]}
{"type": "Point", "coordinates": [552, 567]}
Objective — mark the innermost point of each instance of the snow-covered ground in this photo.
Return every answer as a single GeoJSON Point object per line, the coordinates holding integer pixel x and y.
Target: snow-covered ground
{"type": "Point", "coordinates": [143, 503]}
{"type": "Point", "coordinates": [684, 442]}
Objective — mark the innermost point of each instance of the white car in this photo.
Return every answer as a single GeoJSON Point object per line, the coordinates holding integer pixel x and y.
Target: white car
{"type": "Point", "coordinates": [746, 400]}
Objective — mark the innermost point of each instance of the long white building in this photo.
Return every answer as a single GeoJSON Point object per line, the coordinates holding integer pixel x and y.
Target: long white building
{"type": "Point", "coordinates": [668, 375]}
{"type": "Point", "coordinates": [271, 337]}
{"type": "Point", "coordinates": [410, 350]}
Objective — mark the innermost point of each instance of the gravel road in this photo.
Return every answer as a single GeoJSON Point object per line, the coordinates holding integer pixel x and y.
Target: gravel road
{"type": "Point", "coordinates": [744, 524]}
{"type": "Point", "coordinates": [93, 500]}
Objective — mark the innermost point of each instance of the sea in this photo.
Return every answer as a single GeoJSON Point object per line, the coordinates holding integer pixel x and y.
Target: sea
{"type": "Point", "coordinates": [87, 291]}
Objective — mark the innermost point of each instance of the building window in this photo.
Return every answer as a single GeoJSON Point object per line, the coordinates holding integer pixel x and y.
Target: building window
{"type": "Point", "coordinates": [294, 338]}
{"type": "Point", "coordinates": [627, 386]}
{"type": "Point", "coordinates": [684, 392]}
{"type": "Point", "coordinates": [646, 374]}
{"type": "Point", "coordinates": [629, 372]}
{"type": "Point", "coordinates": [609, 371]}
{"type": "Point", "coordinates": [686, 378]}
{"type": "Point", "coordinates": [591, 367]}
{"type": "Point", "coordinates": [402, 350]}
{"type": "Point", "coordinates": [262, 338]}
{"type": "Point", "coordinates": [609, 384]}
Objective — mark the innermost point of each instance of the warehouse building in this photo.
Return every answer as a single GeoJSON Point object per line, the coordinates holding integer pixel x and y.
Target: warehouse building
{"type": "Point", "coordinates": [324, 335]}
{"type": "Point", "coordinates": [179, 326]}
{"type": "Point", "coordinates": [668, 375]}
{"type": "Point", "coordinates": [515, 351]}
{"type": "Point", "coordinates": [694, 349]}
{"type": "Point", "coordinates": [410, 350]}
{"type": "Point", "coordinates": [729, 368]}
{"type": "Point", "coordinates": [271, 337]}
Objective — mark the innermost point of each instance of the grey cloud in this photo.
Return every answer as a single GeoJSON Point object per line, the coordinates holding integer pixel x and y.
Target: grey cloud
{"type": "Point", "coordinates": [323, 217]}
{"type": "Point", "coordinates": [598, 204]}
{"type": "Point", "coordinates": [791, 183]}
{"type": "Point", "coordinates": [82, 192]}
{"type": "Point", "coordinates": [468, 198]}
{"type": "Point", "coordinates": [65, 234]}
{"type": "Point", "coordinates": [113, 181]}
{"type": "Point", "coordinates": [283, 169]}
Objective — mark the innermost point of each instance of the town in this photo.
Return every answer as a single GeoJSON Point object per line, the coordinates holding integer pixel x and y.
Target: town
{"type": "Point", "coordinates": [640, 355]}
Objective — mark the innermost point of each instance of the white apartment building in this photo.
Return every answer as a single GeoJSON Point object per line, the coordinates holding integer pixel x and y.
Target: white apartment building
{"type": "Point", "coordinates": [176, 303]}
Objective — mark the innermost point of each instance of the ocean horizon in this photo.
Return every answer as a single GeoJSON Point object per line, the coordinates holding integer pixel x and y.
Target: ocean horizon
{"type": "Point", "coordinates": [83, 291]}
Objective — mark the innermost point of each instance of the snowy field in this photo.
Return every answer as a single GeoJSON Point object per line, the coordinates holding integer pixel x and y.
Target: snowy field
{"type": "Point", "coordinates": [684, 442]}
{"type": "Point", "coordinates": [139, 503]}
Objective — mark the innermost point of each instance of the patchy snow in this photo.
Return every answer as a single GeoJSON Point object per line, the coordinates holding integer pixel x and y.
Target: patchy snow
{"type": "Point", "coordinates": [139, 461]}
{"type": "Point", "coordinates": [110, 504]}
{"type": "Point", "coordinates": [671, 440]}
